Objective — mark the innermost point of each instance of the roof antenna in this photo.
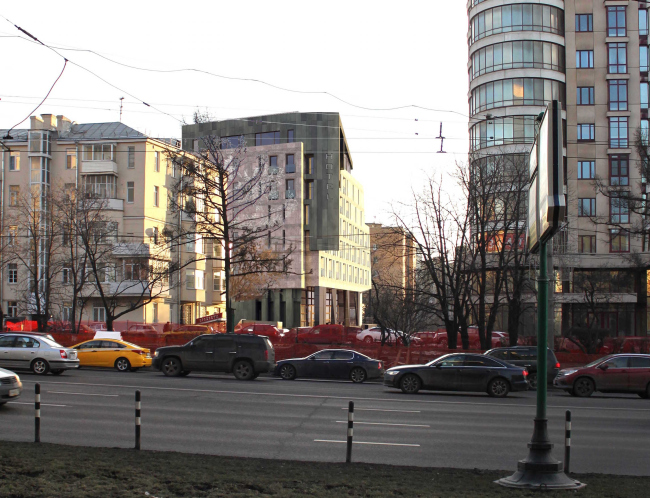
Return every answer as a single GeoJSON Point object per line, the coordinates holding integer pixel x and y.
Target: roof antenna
{"type": "Point", "coordinates": [121, 99]}
{"type": "Point", "coordinates": [442, 140]}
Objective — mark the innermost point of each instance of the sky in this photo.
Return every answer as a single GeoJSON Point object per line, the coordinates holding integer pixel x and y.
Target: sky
{"type": "Point", "coordinates": [372, 56]}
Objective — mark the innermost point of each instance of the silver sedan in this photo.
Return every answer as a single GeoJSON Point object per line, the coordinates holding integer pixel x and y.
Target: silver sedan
{"type": "Point", "coordinates": [37, 353]}
{"type": "Point", "coordinates": [10, 386]}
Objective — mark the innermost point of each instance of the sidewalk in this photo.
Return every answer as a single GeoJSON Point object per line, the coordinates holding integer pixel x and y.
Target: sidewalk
{"type": "Point", "coordinates": [48, 470]}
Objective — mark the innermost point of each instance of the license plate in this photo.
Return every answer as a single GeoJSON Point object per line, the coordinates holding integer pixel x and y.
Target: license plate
{"type": "Point", "coordinates": [14, 392]}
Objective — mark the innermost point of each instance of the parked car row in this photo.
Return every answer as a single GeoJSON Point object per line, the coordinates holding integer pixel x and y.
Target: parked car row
{"type": "Point", "coordinates": [497, 372]}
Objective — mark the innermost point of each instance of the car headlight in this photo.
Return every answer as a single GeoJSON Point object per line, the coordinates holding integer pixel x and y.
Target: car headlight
{"type": "Point", "coordinates": [155, 353]}
{"type": "Point", "coordinates": [392, 372]}
{"type": "Point", "coordinates": [567, 372]}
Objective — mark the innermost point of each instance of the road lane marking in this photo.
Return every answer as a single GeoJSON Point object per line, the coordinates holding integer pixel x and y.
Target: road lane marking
{"type": "Point", "coordinates": [367, 442]}
{"type": "Point", "coordinates": [382, 423]}
{"type": "Point", "coordinates": [380, 410]}
{"type": "Point", "coordinates": [384, 400]}
{"type": "Point", "coordinates": [24, 403]}
{"type": "Point", "coordinates": [85, 394]}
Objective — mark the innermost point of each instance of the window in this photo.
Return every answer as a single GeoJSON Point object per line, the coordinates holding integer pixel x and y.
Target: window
{"type": "Point", "coordinates": [130, 192]}
{"type": "Point", "coordinates": [511, 55]}
{"type": "Point", "coordinates": [14, 161]}
{"type": "Point", "coordinates": [156, 196]}
{"type": "Point", "coordinates": [12, 308]}
{"type": "Point", "coordinates": [190, 279]}
{"type": "Point", "coordinates": [306, 214]}
{"type": "Point", "coordinates": [616, 21]}
{"type": "Point", "coordinates": [618, 132]}
{"type": "Point", "coordinates": [216, 282]}
{"type": "Point", "coordinates": [14, 195]}
{"type": "Point", "coordinates": [584, 59]}
{"type": "Point", "coordinates": [586, 131]}
{"type": "Point", "coordinates": [156, 161]}
{"type": "Point", "coordinates": [155, 312]}
{"type": "Point", "coordinates": [619, 211]}
{"type": "Point", "coordinates": [585, 95]}
{"type": "Point", "coordinates": [516, 17]}
{"type": "Point", "coordinates": [290, 184]}
{"type": "Point", "coordinates": [618, 170]}
{"type": "Point", "coordinates": [100, 186]}
{"type": "Point", "coordinates": [502, 130]}
{"type": "Point", "coordinates": [516, 91]}
{"type": "Point", "coordinates": [98, 152]}
{"type": "Point", "coordinates": [309, 165]}
{"type": "Point", "coordinates": [643, 58]}
{"type": "Point", "coordinates": [13, 235]}
{"type": "Point", "coordinates": [584, 22]}
{"type": "Point", "coordinates": [643, 22]}
{"type": "Point", "coordinates": [67, 275]}
{"type": "Point", "coordinates": [67, 312]}
{"type": "Point", "coordinates": [99, 315]}
{"type": "Point", "coordinates": [268, 138]}
{"type": "Point", "coordinates": [273, 163]}
{"type": "Point", "coordinates": [616, 58]}
{"type": "Point", "coordinates": [617, 95]}
{"type": "Point", "coordinates": [309, 189]}
{"type": "Point", "coordinates": [131, 156]}
{"type": "Point", "coordinates": [619, 241]}
{"type": "Point", "coordinates": [290, 137]}
{"type": "Point", "coordinates": [587, 244]}
{"type": "Point", "coordinates": [13, 273]}
{"type": "Point", "coordinates": [587, 207]}
{"type": "Point", "coordinates": [644, 95]}
{"type": "Point", "coordinates": [290, 167]}
{"type": "Point", "coordinates": [586, 170]}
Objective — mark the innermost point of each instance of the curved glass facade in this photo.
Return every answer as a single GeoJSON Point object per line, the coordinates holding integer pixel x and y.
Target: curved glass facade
{"type": "Point", "coordinates": [517, 17]}
{"type": "Point", "coordinates": [502, 131]}
{"type": "Point", "coordinates": [517, 54]}
{"type": "Point", "coordinates": [516, 91]}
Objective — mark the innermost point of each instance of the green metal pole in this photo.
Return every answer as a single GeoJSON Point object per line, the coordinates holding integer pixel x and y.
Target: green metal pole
{"type": "Point", "coordinates": [542, 332]}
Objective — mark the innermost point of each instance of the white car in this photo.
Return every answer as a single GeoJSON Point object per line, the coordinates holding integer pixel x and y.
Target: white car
{"type": "Point", "coordinates": [374, 335]}
{"type": "Point", "coordinates": [35, 352]}
{"type": "Point", "coordinates": [10, 386]}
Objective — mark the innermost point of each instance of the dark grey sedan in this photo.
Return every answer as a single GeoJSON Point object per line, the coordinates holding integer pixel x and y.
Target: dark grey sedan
{"type": "Point", "coordinates": [331, 364]}
{"type": "Point", "coordinates": [459, 372]}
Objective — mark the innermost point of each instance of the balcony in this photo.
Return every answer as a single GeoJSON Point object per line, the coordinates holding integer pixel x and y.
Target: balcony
{"type": "Point", "coordinates": [274, 170]}
{"type": "Point", "coordinates": [274, 196]}
{"type": "Point", "coordinates": [114, 204]}
{"type": "Point", "coordinates": [141, 250]}
{"type": "Point", "coordinates": [126, 288]}
{"type": "Point", "coordinates": [290, 194]}
{"type": "Point", "coordinates": [99, 167]}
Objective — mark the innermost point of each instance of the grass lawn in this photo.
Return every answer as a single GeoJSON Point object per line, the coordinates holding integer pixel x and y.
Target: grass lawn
{"type": "Point", "coordinates": [49, 470]}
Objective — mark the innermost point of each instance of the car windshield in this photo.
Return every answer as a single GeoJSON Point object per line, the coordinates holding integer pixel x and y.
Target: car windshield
{"type": "Point", "coordinates": [50, 342]}
{"type": "Point", "coordinates": [596, 362]}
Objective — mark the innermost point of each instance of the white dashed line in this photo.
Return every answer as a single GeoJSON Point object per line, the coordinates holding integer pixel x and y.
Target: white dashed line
{"type": "Point", "coordinates": [367, 442]}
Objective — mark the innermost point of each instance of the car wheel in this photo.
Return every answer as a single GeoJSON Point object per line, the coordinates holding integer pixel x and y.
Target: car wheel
{"type": "Point", "coordinates": [171, 367]}
{"type": "Point", "coordinates": [358, 375]}
{"type": "Point", "coordinates": [122, 365]}
{"type": "Point", "coordinates": [498, 388]}
{"type": "Point", "coordinates": [243, 370]}
{"type": "Point", "coordinates": [288, 372]}
{"type": "Point", "coordinates": [643, 395]}
{"type": "Point", "coordinates": [532, 381]}
{"type": "Point", "coordinates": [368, 339]}
{"type": "Point", "coordinates": [40, 366]}
{"type": "Point", "coordinates": [58, 371]}
{"type": "Point", "coordinates": [255, 376]}
{"type": "Point", "coordinates": [410, 384]}
{"type": "Point", "coordinates": [584, 387]}
{"type": "Point", "coordinates": [185, 373]}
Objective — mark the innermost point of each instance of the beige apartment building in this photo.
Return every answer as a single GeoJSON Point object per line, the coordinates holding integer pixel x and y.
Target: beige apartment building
{"type": "Point", "coordinates": [132, 175]}
{"type": "Point", "coordinates": [592, 56]}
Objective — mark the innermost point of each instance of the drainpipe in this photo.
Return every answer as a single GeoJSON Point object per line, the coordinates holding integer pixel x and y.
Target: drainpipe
{"type": "Point", "coordinates": [2, 220]}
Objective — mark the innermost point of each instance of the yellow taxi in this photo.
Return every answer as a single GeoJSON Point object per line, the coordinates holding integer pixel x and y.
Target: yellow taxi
{"type": "Point", "coordinates": [122, 355]}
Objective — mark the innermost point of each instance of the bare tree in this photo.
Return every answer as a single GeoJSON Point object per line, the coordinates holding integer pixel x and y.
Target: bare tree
{"type": "Point", "coordinates": [125, 274]}
{"type": "Point", "coordinates": [224, 193]}
{"type": "Point", "coordinates": [36, 250]}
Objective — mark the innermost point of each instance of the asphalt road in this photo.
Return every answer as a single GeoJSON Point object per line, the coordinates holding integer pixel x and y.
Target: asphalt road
{"type": "Point", "coordinates": [307, 420]}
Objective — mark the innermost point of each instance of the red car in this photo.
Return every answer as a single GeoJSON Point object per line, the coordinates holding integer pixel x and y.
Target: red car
{"type": "Point", "coordinates": [270, 331]}
{"type": "Point", "coordinates": [329, 334]}
{"type": "Point", "coordinates": [617, 373]}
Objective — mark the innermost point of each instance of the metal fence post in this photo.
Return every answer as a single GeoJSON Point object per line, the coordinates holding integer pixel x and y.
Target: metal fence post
{"type": "Point", "coordinates": [138, 406]}
{"type": "Point", "coordinates": [37, 413]}
{"type": "Point", "coordinates": [348, 455]}
{"type": "Point", "coordinates": [567, 441]}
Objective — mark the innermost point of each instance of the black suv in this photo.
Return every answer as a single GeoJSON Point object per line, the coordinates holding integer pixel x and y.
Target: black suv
{"type": "Point", "coordinates": [526, 356]}
{"type": "Point", "coordinates": [245, 355]}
